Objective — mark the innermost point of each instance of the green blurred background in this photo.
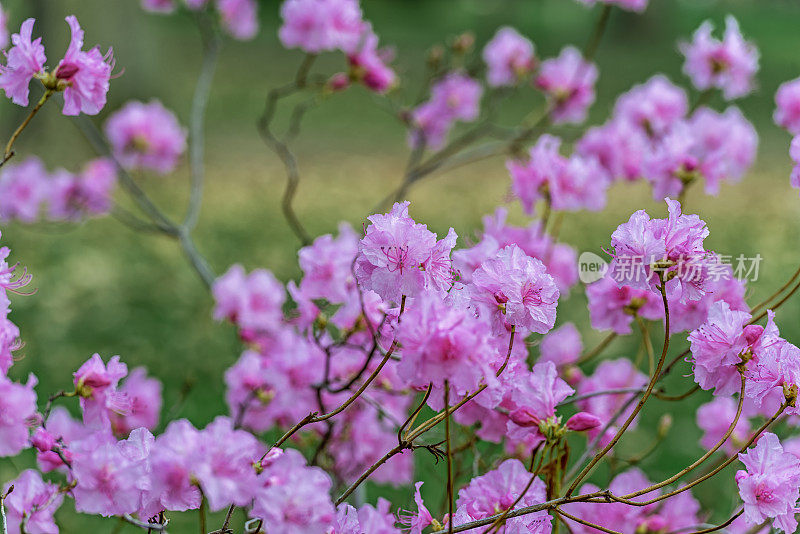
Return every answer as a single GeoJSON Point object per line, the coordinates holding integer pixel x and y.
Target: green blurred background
{"type": "Point", "coordinates": [103, 288]}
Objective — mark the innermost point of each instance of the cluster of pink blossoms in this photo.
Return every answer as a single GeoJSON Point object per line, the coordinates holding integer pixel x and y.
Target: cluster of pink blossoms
{"type": "Point", "coordinates": [28, 193]}
{"type": "Point", "coordinates": [650, 136]}
{"type": "Point", "coordinates": [83, 76]}
{"type": "Point", "coordinates": [317, 26]}
{"type": "Point", "coordinates": [239, 18]}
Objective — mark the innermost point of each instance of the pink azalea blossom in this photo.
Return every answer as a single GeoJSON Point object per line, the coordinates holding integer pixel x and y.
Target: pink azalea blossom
{"type": "Point", "coordinates": [85, 74]}
{"type": "Point", "coordinates": [776, 369]}
{"type": "Point", "coordinates": [454, 98]}
{"type": "Point", "coordinates": [144, 396]}
{"type": "Point", "coordinates": [714, 419]}
{"type": "Point", "coordinates": [499, 490]}
{"type": "Point", "coordinates": [253, 302]}
{"type": "Point", "coordinates": [327, 266]}
{"type": "Point", "coordinates": [769, 486]}
{"type": "Point", "coordinates": [23, 61]}
{"type": "Point", "coordinates": [111, 477]}
{"type": "Point", "coordinates": [440, 342]}
{"type": "Point", "coordinates": [292, 497]}
{"type": "Point", "coordinates": [561, 346]}
{"type": "Point", "coordinates": [369, 64]}
{"type": "Point", "coordinates": [568, 82]}
{"type": "Point", "coordinates": [581, 186]}
{"type": "Point", "coordinates": [146, 136]}
{"type": "Point", "coordinates": [23, 190]}
{"type": "Point", "coordinates": [729, 65]}
{"type": "Point", "coordinates": [787, 110]}
{"type": "Point", "coordinates": [173, 458]}
{"type": "Point", "coordinates": [529, 179]}
{"type": "Point", "coordinates": [321, 25]}
{"type": "Point", "coordinates": [417, 521]}
{"type": "Point", "coordinates": [34, 500]}
{"type": "Point", "coordinates": [613, 307]}
{"type": "Point", "coordinates": [239, 18]}
{"type": "Point", "coordinates": [375, 520]}
{"type": "Point", "coordinates": [514, 290]}
{"type": "Point", "coordinates": [4, 38]}
{"type": "Point", "coordinates": [96, 384]}
{"type": "Point", "coordinates": [534, 399]}
{"type": "Point", "coordinates": [509, 58]}
{"type": "Point", "coordinates": [652, 107]}
{"type": "Point", "coordinates": [794, 153]}
{"type": "Point", "coordinates": [618, 146]}
{"type": "Point", "coordinates": [717, 347]}
{"type": "Point", "coordinates": [72, 196]}
{"type": "Point", "coordinates": [17, 408]}
{"type": "Point", "coordinates": [399, 257]}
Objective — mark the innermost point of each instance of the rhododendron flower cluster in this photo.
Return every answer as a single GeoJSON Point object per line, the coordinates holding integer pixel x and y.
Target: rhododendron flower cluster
{"type": "Point", "coordinates": [393, 345]}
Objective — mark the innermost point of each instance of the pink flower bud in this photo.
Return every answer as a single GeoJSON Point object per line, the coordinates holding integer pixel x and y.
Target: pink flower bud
{"type": "Point", "coordinates": [339, 82]}
{"type": "Point", "coordinates": [43, 440]}
{"type": "Point", "coordinates": [583, 421]}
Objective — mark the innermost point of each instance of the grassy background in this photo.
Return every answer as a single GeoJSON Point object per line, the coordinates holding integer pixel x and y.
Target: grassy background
{"type": "Point", "coordinates": [105, 289]}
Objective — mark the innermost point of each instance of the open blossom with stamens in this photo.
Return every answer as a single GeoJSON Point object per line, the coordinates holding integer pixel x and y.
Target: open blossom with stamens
{"type": "Point", "coordinates": [144, 396]}
{"type": "Point", "coordinates": [613, 307]}
{"type": "Point", "coordinates": [239, 18]}
{"type": "Point", "coordinates": [787, 106]}
{"type": "Point", "coordinates": [24, 60]}
{"type": "Point", "coordinates": [85, 74]}
{"type": "Point", "coordinates": [729, 65]}
{"type": "Point", "coordinates": [514, 290]}
{"type": "Point", "coordinates": [499, 490]}
{"type": "Point", "coordinates": [717, 348]}
{"type": "Point", "coordinates": [96, 384]}
{"type": "Point", "coordinates": [399, 257]}
{"type": "Point", "coordinates": [769, 485]}
{"type": "Point", "coordinates": [509, 58]}
{"type": "Point", "coordinates": [146, 136]}
{"type": "Point", "coordinates": [34, 501]}
{"type": "Point", "coordinates": [568, 82]}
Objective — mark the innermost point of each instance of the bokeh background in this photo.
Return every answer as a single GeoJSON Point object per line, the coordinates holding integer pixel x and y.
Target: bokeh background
{"type": "Point", "coordinates": [103, 288]}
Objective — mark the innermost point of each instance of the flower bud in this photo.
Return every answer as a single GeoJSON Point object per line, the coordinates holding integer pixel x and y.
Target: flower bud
{"type": "Point", "coordinates": [583, 421]}
{"type": "Point", "coordinates": [43, 440]}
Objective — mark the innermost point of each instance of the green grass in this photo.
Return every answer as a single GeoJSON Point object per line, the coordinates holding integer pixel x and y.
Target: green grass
{"type": "Point", "coordinates": [102, 288]}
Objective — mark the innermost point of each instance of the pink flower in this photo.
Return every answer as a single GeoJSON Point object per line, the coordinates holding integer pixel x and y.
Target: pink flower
{"type": "Point", "coordinates": [239, 18]}
{"type": "Point", "coordinates": [618, 146]}
{"type": "Point", "coordinates": [85, 74]}
{"type": "Point", "coordinates": [375, 520]}
{"type": "Point", "coordinates": [158, 6]}
{"type": "Point", "coordinates": [630, 5]}
{"type": "Point", "coordinates": [369, 64]}
{"type": "Point", "coordinates": [717, 347]}
{"type": "Point", "coordinates": [17, 408]}
{"type": "Point", "coordinates": [396, 253]}
{"type": "Point", "coordinates": [225, 464]}
{"type": "Point", "coordinates": [23, 189]}
{"type": "Point", "coordinates": [144, 396]}
{"type": "Point", "coordinates": [568, 82]}
{"type": "Point", "coordinates": [173, 459]}
{"type": "Point", "coordinates": [454, 98]}
{"type": "Point", "coordinates": [561, 346]}
{"type": "Point", "coordinates": [440, 342]}
{"type": "Point", "coordinates": [96, 383]}
{"type": "Point", "coordinates": [253, 302]}
{"type": "Point", "coordinates": [292, 497]}
{"type": "Point", "coordinates": [327, 266]}
{"type": "Point", "coordinates": [582, 185]}
{"type": "Point", "coordinates": [417, 521]}
{"type": "Point", "coordinates": [34, 500]}
{"type": "Point", "coordinates": [509, 58]}
{"type": "Point", "coordinates": [111, 477]}
{"type": "Point", "coordinates": [513, 289]}
{"type": "Point", "coordinates": [729, 65]}
{"type": "Point", "coordinates": [24, 61]}
{"type": "Point", "coordinates": [535, 397]}
{"type": "Point", "coordinates": [787, 110]}
{"type": "Point", "coordinates": [652, 107]}
{"type": "Point", "coordinates": [613, 307]}
{"type": "Point", "coordinates": [321, 25]}
{"type": "Point", "coordinates": [72, 196]}
{"type": "Point", "coordinates": [775, 369]}
{"type": "Point", "coordinates": [530, 179]}
{"type": "Point", "coordinates": [146, 136]}
{"type": "Point", "coordinates": [497, 491]}
{"type": "Point", "coordinates": [714, 419]}
{"type": "Point", "coordinates": [769, 486]}
{"type": "Point", "coordinates": [794, 153]}
{"type": "Point", "coordinates": [636, 248]}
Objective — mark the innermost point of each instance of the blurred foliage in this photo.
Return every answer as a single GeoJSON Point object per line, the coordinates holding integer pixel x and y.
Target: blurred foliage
{"type": "Point", "coordinates": [102, 288]}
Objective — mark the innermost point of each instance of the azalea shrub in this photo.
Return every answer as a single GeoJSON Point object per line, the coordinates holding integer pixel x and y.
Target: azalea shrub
{"type": "Point", "coordinates": [397, 342]}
